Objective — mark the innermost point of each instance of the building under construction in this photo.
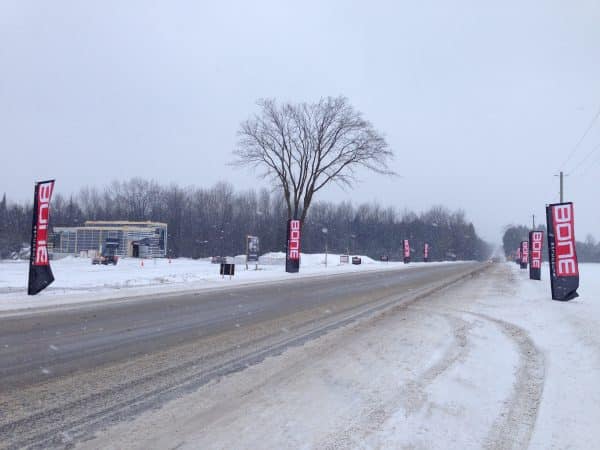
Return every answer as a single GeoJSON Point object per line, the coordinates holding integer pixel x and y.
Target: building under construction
{"type": "Point", "coordinates": [136, 239]}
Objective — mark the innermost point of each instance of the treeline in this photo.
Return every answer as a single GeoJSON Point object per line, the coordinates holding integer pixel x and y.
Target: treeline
{"type": "Point", "coordinates": [587, 251]}
{"type": "Point", "coordinates": [214, 221]}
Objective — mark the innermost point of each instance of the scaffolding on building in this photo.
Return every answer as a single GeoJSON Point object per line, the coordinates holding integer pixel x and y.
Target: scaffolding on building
{"type": "Point", "coordinates": [137, 239]}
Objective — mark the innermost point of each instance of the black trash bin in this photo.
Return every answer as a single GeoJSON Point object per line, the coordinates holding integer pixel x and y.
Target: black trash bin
{"type": "Point", "coordinates": [227, 269]}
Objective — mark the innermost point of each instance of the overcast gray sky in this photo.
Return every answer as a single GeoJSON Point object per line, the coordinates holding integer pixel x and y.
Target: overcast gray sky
{"type": "Point", "coordinates": [482, 102]}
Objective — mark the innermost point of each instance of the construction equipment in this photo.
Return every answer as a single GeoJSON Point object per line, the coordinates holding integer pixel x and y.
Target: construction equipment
{"type": "Point", "coordinates": [108, 253]}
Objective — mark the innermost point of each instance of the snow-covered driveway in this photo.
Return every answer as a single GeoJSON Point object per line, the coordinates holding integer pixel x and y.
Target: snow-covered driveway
{"type": "Point", "coordinates": [489, 363]}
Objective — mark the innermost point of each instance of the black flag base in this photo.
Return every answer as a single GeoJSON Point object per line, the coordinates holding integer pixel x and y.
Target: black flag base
{"type": "Point", "coordinates": [566, 297]}
{"type": "Point", "coordinates": [40, 277]}
{"type": "Point", "coordinates": [565, 291]}
{"type": "Point", "coordinates": [535, 274]}
{"type": "Point", "coordinates": [292, 266]}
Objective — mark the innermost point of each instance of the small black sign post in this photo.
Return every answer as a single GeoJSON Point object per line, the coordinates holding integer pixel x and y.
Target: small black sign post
{"type": "Point", "coordinates": [227, 269]}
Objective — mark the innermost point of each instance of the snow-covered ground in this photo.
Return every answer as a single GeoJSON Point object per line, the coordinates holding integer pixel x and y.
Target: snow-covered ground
{"type": "Point", "coordinates": [490, 363]}
{"type": "Point", "coordinates": [77, 280]}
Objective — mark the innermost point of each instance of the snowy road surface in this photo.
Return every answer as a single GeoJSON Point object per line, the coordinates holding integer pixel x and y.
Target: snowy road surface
{"type": "Point", "coordinates": [68, 370]}
{"type": "Point", "coordinates": [489, 362]}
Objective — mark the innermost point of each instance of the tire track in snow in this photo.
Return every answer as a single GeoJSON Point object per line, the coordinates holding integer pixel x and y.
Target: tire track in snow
{"type": "Point", "coordinates": [411, 398]}
{"type": "Point", "coordinates": [514, 426]}
{"type": "Point", "coordinates": [414, 397]}
{"type": "Point", "coordinates": [515, 423]}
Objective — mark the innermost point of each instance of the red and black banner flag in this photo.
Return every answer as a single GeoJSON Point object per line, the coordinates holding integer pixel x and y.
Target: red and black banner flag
{"type": "Point", "coordinates": [426, 252]}
{"type": "Point", "coordinates": [524, 254]}
{"type": "Point", "coordinates": [536, 242]}
{"type": "Point", "coordinates": [40, 274]}
{"type": "Point", "coordinates": [562, 255]}
{"type": "Point", "coordinates": [406, 251]}
{"type": "Point", "coordinates": [292, 257]}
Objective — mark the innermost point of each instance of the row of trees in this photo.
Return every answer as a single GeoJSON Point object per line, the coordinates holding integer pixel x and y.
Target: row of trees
{"type": "Point", "coordinates": [213, 221]}
{"type": "Point", "coordinates": [15, 226]}
{"type": "Point", "coordinates": [587, 251]}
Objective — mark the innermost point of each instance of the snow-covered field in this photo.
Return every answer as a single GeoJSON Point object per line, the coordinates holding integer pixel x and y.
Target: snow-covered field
{"type": "Point", "coordinates": [77, 280]}
{"type": "Point", "coordinates": [491, 363]}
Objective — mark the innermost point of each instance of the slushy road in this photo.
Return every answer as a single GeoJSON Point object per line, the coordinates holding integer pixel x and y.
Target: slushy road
{"type": "Point", "coordinates": [67, 372]}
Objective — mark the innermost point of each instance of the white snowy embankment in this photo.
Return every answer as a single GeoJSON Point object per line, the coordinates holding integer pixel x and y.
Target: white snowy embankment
{"type": "Point", "coordinates": [77, 280]}
{"type": "Point", "coordinates": [552, 397]}
{"type": "Point", "coordinates": [568, 336]}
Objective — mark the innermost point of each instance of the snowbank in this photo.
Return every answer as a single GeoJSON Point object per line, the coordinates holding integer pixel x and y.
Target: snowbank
{"type": "Point", "coordinates": [77, 280]}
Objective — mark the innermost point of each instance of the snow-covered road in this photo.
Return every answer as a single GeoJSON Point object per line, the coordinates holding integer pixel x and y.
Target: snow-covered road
{"type": "Point", "coordinates": [489, 363]}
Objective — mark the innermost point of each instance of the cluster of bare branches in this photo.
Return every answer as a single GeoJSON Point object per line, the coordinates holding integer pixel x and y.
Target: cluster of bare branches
{"type": "Point", "coordinates": [303, 147]}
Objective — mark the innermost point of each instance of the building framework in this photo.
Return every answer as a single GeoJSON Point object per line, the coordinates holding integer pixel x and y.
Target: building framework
{"type": "Point", "coordinates": [137, 239]}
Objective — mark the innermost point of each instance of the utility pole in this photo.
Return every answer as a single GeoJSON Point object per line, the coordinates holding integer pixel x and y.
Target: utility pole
{"type": "Point", "coordinates": [533, 215]}
{"type": "Point", "coordinates": [561, 187]}
{"type": "Point", "coordinates": [562, 190]}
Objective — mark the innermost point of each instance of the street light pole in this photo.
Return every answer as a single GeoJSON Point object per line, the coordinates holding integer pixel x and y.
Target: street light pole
{"type": "Point", "coordinates": [324, 230]}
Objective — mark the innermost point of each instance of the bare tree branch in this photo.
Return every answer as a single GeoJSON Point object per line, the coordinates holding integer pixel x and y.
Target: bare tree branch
{"type": "Point", "coordinates": [304, 147]}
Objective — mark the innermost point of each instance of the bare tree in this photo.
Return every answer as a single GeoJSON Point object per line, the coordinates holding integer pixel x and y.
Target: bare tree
{"type": "Point", "coordinates": [303, 147]}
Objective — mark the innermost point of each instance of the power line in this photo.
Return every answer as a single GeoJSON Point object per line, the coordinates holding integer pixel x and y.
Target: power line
{"type": "Point", "coordinates": [581, 138]}
{"type": "Point", "coordinates": [592, 164]}
{"type": "Point", "coordinates": [585, 158]}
